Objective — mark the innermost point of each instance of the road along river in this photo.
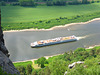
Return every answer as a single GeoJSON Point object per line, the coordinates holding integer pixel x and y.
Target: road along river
{"type": "Point", "coordinates": [18, 43]}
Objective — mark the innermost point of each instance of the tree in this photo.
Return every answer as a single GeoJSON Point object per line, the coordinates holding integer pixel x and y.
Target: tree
{"type": "Point", "coordinates": [42, 72]}
{"type": "Point", "coordinates": [34, 73]}
{"type": "Point", "coordinates": [85, 2]}
{"type": "Point", "coordinates": [92, 52]}
{"type": "Point", "coordinates": [49, 3]}
{"type": "Point", "coordinates": [2, 3]}
{"type": "Point", "coordinates": [98, 51]}
{"type": "Point", "coordinates": [57, 67]}
{"type": "Point", "coordinates": [59, 3]}
{"type": "Point", "coordinates": [26, 2]}
{"type": "Point", "coordinates": [41, 61]}
{"type": "Point", "coordinates": [47, 71]}
{"type": "Point", "coordinates": [22, 70]}
{"type": "Point", "coordinates": [29, 69]}
{"type": "Point", "coordinates": [79, 50]}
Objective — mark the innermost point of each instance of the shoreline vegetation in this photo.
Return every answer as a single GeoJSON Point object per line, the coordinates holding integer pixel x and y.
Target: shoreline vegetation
{"type": "Point", "coordinates": [59, 64]}
{"type": "Point", "coordinates": [90, 47]}
{"type": "Point", "coordinates": [60, 26]}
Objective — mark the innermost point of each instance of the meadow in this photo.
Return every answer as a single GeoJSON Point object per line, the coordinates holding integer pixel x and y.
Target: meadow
{"type": "Point", "coordinates": [16, 17]}
{"type": "Point", "coordinates": [22, 63]}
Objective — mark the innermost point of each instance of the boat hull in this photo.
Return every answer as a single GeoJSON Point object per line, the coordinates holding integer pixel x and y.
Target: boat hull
{"type": "Point", "coordinates": [53, 43]}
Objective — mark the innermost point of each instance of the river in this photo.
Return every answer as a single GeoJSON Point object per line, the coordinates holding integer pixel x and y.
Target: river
{"type": "Point", "coordinates": [18, 43]}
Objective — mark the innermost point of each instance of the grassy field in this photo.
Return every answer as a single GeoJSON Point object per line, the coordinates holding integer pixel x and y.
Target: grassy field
{"type": "Point", "coordinates": [22, 63]}
{"type": "Point", "coordinates": [16, 17]}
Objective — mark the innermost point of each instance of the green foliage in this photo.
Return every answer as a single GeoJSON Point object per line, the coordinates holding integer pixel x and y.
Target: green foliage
{"type": "Point", "coordinates": [2, 3]}
{"type": "Point", "coordinates": [27, 18]}
{"type": "Point", "coordinates": [9, 0]}
{"type": "Point", "coordinates": [79, 50]}
{"type": "Point", "coordinates": [29, 69]}
{"type": "Point", "coordinates": [49, 3]}
{"type": "Point", "coordinates": [25, 68]}
{"type": "Point", "coordinates": [47, 71]}
{"type": "Point", "coordinates": [34, 73]}
{"type": "Point", "coordinates": [92, 52]}
{"type": "Point", "coordinates": [41, 61]}
{"type": "Point", "coordinates": [75, 2]}
{"type": "Point", "coordinates": [57, 67]}
{"type": "Point", "coordinates": [85, 1]}
{"type": "Point", "coordinates": [2, 72]}
{"type": "Point", "coordinates": [44, 71]}
{"type": "Point", "coordinates": [27, 3]}
{"type": "Point", "coordinates": [91, 67]}
{"type": "Point", "coordinates": [21, 69]}
{"type": "Point", "coordinates": [22, 63]}
{"type": "Point", "coordinates": [59, 3]}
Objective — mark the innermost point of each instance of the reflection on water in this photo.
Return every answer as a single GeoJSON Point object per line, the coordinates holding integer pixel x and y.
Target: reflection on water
{"type": "Point", "coordinates": [18, 43]}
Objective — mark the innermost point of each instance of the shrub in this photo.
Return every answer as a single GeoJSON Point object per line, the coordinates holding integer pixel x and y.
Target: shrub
{"type": "Point", "coordinates": [2, 3]}
{"type": "Point", "coordinates": [27, 3]}
{"type": "Point", "coordinates": [49, 3]}
{"type": "Point", "coordinates": [59, 3]}
{"type": "Point", "coordinates": [21, 69]}
{"type": "Point", "coordinates": [29, 69]}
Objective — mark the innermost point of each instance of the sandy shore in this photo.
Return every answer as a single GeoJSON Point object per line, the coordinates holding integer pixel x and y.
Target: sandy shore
{"type": "Point", "coordinates": [60, 26]}
{"type": "Point", "coordinates": [90, 47]}
{"type": "Point", "coordinates": [37, 58]}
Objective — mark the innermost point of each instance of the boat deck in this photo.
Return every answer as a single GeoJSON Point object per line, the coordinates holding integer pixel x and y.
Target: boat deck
{"type": "Point", "coordinates": [52, 40]}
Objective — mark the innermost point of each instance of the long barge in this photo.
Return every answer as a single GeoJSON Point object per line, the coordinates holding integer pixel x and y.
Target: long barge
{"type": "Point", "coordinates": [54, 41]}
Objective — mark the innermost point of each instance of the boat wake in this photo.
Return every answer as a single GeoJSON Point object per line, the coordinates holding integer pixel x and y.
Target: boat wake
{"type": "Point", "coordinates": [82, 37]}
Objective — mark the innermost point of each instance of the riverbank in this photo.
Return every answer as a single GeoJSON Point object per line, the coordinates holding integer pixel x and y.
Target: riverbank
{"type": "Point", "coordinates": [63, 63]}
{"type": "Point", "coordinates": [53, 16]}
{"type": "Point", "coordinates": [90, 47]}
{"type": "Point", "coordinates": [38, 58]}
{"type": "Point", "coordinates": [60, 26]}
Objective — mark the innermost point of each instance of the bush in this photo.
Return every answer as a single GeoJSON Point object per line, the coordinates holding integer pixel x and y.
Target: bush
{"type": "Point", "coordinates": [59, 3]}
{"type": "Point", "coordinates": [92, 2]}
{"type": "Point", "coordinates": [15, 4]}
{"type": "Point", "coordinates": [57, 67]}
{"type": "Point", "coordinates": [74, 3]}
{"type": "Point", "coordinates": [28, 3]}
{"type": "Point", "coordinates": [98, 1]}
{"type": "Point", "coordinates": [34, 73]}
{"type": "Point", "coordinates": [79, 50]}
{"type": "Point", "coordinates": [2, 3]}
{"type": "Point", "coordinates": [21, 69]}
{"type": "Point", "coordinates": [29, 69]}
{"type": "Point", "coordinates": [49, 3]}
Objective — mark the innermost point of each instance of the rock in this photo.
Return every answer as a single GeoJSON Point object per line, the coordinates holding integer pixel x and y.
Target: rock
{"type": "Point", "coordinates": [65, 73]}
{"type": "Point", "coordinates": [6, 64]}
{"type": "Point", "coordinates": [70, 66]}
{"type": "Point", "coordinates": [80, 62]}
{"type": "Point", "coordinates": [73, 64]}
{"type": "Point", "coordinates": [99, 63]}
{"type": "Point", "coordinates": [85, 66]}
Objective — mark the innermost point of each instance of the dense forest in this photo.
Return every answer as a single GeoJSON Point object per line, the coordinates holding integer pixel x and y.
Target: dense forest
{"type": "Point", "coordinates": [58, 65]}
{"type": "Point", "coordinates": [45, 2]}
